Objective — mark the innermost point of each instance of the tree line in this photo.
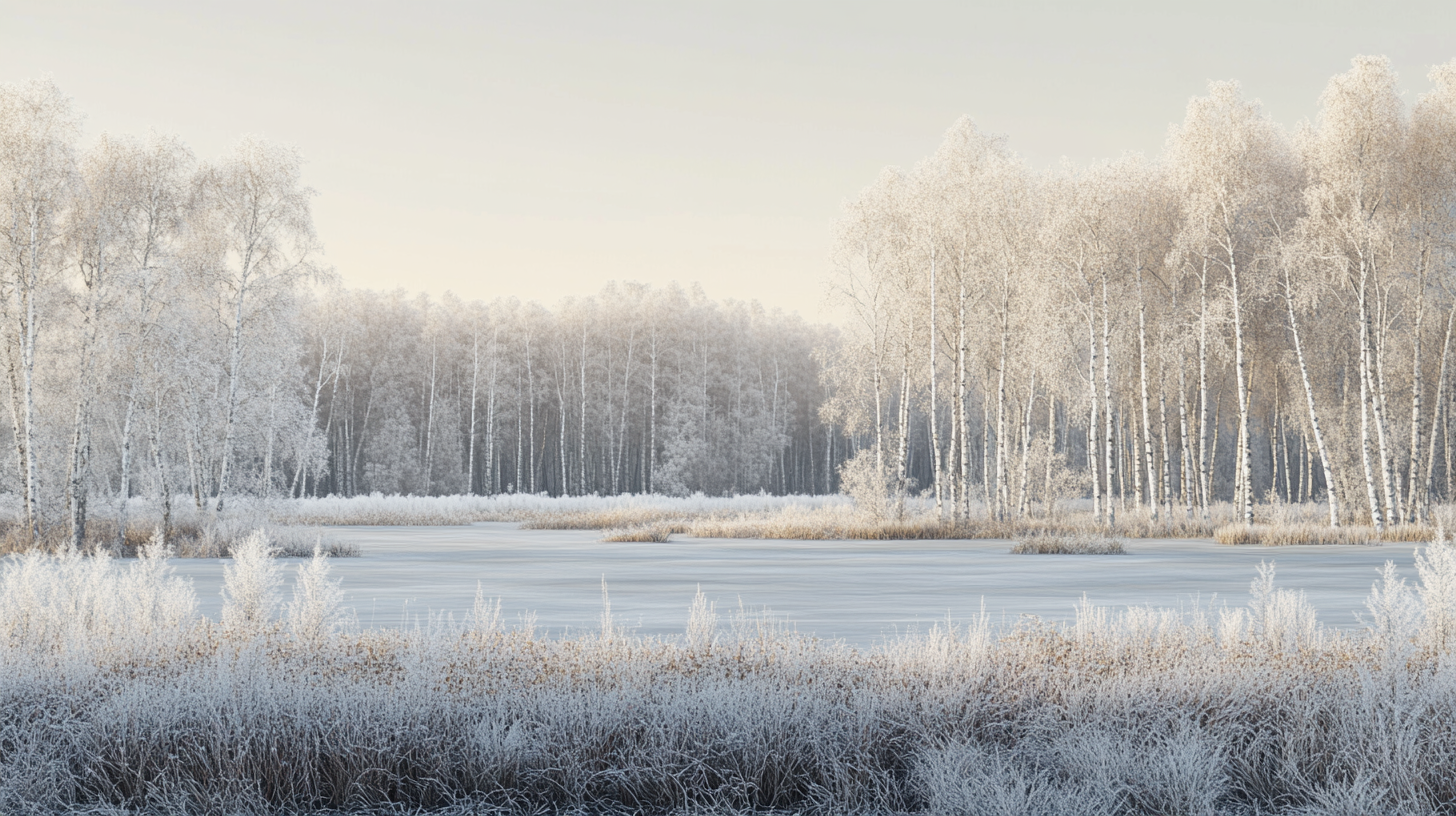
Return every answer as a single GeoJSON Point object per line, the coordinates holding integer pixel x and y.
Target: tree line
{"type": "Point", "coordinates": [634, 390]}
{"type": "Point", "coordinates": [1252, 315]}
{"type": "Point", "coordinates": [170, 329]}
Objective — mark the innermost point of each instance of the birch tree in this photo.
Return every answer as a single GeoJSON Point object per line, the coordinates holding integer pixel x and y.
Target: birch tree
{"type": "Point", "coordinates": [38, 132]}
{"type": "Point", "coordinates": [254, 240]}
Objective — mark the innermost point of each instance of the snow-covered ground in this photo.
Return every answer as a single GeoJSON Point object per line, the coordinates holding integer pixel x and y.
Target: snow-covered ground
{"type": "Point", "coordinates": [861, 591]}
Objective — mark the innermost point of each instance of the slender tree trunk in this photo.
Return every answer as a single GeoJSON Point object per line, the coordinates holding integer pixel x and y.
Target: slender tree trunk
{"type": "Point", "coordinates": [428, 477]}
{"type": "Point", "coordinates": [1413, 496]}
{"type": "Point", "coordinates": [1167, 476]}
{"type": "Point", "coordinates": [650, 461]}
{"type": "Point", "coordinates": [1391, 493]}
{"type": "Point", "coordinates": [561, 425]}
{"type": "Point", "coordinates": [1107, 397]}
{"type": "Point", "coordinates": [963, 413]}
{"type": "Point", "coordinates": [1185, 460]}
{"type": "Point", "coordinates": [1152, 481]}
{"type": "Point", "coordinates": [81, 432]}
{"type": "Point", "coordinates": [1377, 517]}
{"type": "Point", "coordinates": [986, 457]}
{"type": "Point", "coordinates": [17, 414]}
{"type": "Point", "coordinates": [1205, 456]}
{"type": "Point", "coordinates": [1246, 473]}
{"type": "Point", "coordinates": [164, 489]}
{"type": "Point", "coordinates": [934, 397]}
{"type": "Point", "coordinates": [474, 390]}
{"type": "Point", "coordinates": [1092, 414]}
{"type": "Point", "coordinates": [1001, 463]}
{"type": "Point", "coordinates": [619, 478]}
{"type": "Point", "coordinates": [1120, 432]}
{"type": "Point", "coordinates": [318, 388]}
{"type": "Point", "coordinates": [879, 378]}
{"type": "Point", "coordinates": [902, 456]}
{"type": "Point", "coordinates": [1217, 424]}
{"type": "Point", "coordinates": [235, 365]}
{"type": "Point", "coordinates": [531, 418]}
{"type": "Point", "coordinates": [1047, 498]}
{"type": "Point", "coordinates": [124, 491]}
{"type": "Point", "coordinates": [581, 455]}
{"type": "Point", "coordinates": [1439, 412]}
{"type": "Point", "coordinates": [1314, 425]}
{"type": "Point", "coordinates": [272, 434]}
{"type": "Point", "coordinates": [1274, 446]}
{"type": "Point", "coordinates": [492, 470]}
{"type": "Point", "coordinates": [1021, 499]}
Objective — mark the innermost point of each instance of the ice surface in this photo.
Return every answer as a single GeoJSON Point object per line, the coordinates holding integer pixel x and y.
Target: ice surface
{"type": "Point", "coordinates": [860, 591]}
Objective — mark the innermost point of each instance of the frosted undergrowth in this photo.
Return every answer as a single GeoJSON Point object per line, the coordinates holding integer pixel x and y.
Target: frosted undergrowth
{"type": "Point", "coordinates": [117, 696]}
{"type": "Point", "coordinates": [521, 507]}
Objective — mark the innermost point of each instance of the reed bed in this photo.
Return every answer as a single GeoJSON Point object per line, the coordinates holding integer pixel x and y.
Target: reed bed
{"type": "Point", "coordinates": [650, 534]}
{"type": "Point", "coordinates": [1076, 544]}
{"type": "Point", "coordinates": [1282, 535]}
{"type": "Point", "coordinates": [193, 535]}
{"type": "Point", "coordinates": [295, 524]}
{"type": "Point", "coordinates": [533, 511]}
{"type": "Point", "coordinates": [117, 697]}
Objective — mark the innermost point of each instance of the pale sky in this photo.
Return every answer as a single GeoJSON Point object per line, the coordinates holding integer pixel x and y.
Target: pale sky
{"type": "Point", "coordinates": [540, 149]}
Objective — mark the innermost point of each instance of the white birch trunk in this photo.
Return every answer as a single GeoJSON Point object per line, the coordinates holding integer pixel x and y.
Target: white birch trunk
{"type": "Point", "coordinates": [1314, 425]}
{"type": "Point", "coordinates": [1152, 497]}
{"type": "Point", "coordinates": [1107, 400]}
{"type": "Point", "coordinates": [934, 401]}
{"type": "Point", "coordinates": [1377, 517]}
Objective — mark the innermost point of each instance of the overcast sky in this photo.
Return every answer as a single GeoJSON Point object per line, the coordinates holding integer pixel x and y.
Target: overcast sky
{"type": "Point", "coordinates": [539, 149]}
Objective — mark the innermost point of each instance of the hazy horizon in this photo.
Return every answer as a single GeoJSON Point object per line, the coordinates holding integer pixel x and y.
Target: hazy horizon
{"type": "Point", "coordinates": [541, 150]}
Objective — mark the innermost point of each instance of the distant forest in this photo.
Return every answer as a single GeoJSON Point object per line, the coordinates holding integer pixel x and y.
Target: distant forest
{"type": "Point", "coordinates": [1255, 315]}
{"type": "Point", "coordinates": [170, 329]}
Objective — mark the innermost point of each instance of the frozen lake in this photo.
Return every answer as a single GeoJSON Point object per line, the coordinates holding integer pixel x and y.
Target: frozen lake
{"type": "Point", "coordinates": [861, 591]}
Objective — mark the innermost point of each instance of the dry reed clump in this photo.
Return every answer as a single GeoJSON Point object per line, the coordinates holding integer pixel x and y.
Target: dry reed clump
{"type": "Point", "coordinates": [843, 525]}
{"type": "Point", "coordinates": [1280, 535]}
{"type": "Point", "coordinates": [649, 533]}
{"type": "Point", "coordinates": [618, 518]}
{"type": "Point", "coordinates": [119, 698]}
{"type": "Point", "coordinates": [1076, 544]}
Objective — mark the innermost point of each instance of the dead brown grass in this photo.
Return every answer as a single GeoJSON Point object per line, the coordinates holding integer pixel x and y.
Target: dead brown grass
{"type": "Point", "coordinates": [1302, 534]}
{"type": "Point", "coordinates": [620, 518]}
{"type": "Point", "coordinates": [838, 524]}
{"type": "Point", "coordinates": [842, 523]}
{"type": "Point", "coordinates": [187, 538]}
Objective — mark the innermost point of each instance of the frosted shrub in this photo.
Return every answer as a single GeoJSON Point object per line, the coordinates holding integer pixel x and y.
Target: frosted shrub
{"type": "Point", "coordinates": [702, 623]}
{"type": "Point", "coordinates": [91, 605]}
{"type": "Point", "coordinates": [315, 612]}
{"type": "Point", "coordinates": [250, 586]}
{"type": "Point", "coordinates": [1436, 566]}
{"type": "Point", "coordinates": [868, 486]}
{"type": "Point", "coordinates": [485, 614]}
{"type": "Point", "coordinates": [1280, 619]}
{"type": "Point", "coordinates": [1395, 613]}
